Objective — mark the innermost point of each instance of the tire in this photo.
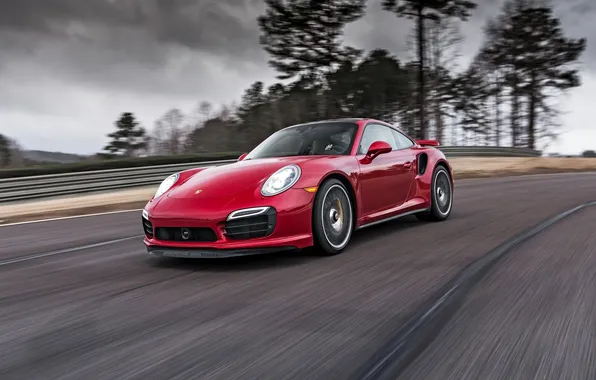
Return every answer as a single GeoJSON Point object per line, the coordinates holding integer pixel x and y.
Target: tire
{"type": "Point", "coordinates": [441, 191]}
{"type": "Point", "coordinates": [333, 218]}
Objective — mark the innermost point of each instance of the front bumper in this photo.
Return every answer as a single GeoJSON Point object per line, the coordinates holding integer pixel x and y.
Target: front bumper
{"type": "Point", "coordinates": [197, 253]}
{"type": "Point", "coordinates": [180, 228]}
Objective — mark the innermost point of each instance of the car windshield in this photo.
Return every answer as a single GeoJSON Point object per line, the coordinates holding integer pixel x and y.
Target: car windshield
{"type": "Point", "coordinates": [334, 138]}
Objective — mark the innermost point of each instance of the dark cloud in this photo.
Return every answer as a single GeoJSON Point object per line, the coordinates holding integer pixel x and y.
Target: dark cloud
{"type": "Point", "coordinates": [172, 46]}
{"type": "Point", "coordinates": [47, 16]}
{"type": "Point", "coordinates": [67, 63]}
{"type": "Point", "coordinates": [224, 27]}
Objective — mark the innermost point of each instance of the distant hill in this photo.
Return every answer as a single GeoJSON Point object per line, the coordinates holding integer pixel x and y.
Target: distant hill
{"type": "Point", "coordinates": [52, 157]}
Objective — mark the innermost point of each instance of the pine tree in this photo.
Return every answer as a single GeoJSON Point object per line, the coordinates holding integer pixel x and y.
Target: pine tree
{"type": "Point", "coordinates": [252, 97]}
{"type": "Point", "coordinates": [303, 36]}
{"type": "Point", "coordinates": [128, 138]}
{"type": "Point", "coordinates": [422, 10]}
{"type": "Point", "coordinates": [377, 86]}
{"type": "Point", "coordinates": [528, 42]}
{"type": "Point", "coordinates": [546, 60]}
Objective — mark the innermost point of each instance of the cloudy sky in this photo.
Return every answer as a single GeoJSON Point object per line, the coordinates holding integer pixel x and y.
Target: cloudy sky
{"type": "Point", "coordinates": [68, 68]}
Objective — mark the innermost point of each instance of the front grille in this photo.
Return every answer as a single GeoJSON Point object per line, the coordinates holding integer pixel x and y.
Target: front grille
{"type": "Point", "coordinates": [251, 227]}
{"type": "Point", "coordinates": [148, 228]}
{"type": "Point", "coordinates": [201, 234]}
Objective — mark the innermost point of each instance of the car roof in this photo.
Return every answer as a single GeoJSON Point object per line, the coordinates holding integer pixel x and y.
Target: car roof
{"type": "Point", "coordinates": [350, 120]}
{"type": "Point", "coordinates": [328, 121]}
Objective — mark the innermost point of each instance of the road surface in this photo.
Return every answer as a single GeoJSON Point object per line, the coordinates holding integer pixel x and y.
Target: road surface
{"type": "Point", "coordinates": [79, 299]}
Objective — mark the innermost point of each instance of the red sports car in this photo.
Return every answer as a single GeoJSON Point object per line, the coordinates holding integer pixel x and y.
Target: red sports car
{"type": "Point", "coordinates": [306, 185]}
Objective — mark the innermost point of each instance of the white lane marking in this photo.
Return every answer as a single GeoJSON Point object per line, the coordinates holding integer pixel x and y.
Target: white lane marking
{"type": "Point", "coordinates": [67, 250]}
{"type": "Point", "coordinates": [70, 217]}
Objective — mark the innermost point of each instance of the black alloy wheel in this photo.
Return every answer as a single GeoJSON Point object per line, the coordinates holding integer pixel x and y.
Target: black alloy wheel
{"type": "Point", "coordinates": [441, 197]}
{"type": "Point", "coordinates": [333, 217]}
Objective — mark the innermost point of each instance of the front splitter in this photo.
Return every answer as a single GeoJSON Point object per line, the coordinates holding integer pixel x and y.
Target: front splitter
{"type": "Point", "coordinates": [212, 253]}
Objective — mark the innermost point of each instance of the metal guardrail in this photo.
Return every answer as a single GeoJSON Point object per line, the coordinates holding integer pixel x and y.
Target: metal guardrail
{"type": "Point", "coordinates": [44, 186]}
{"type": "Point", "coordinates": [488, 151]}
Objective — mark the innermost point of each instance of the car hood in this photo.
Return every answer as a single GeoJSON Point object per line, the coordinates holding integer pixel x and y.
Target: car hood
{"type": "Point", "coordinates": [231, 179]}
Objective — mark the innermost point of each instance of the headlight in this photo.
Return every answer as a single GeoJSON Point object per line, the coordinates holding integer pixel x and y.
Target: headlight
{"type": "Point", "coordinates": [166, 184]}
{"type": "Point", "coordinates": [281, 180]}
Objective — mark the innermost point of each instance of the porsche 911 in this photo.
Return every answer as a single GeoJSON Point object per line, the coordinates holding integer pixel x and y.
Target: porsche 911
{"type": "Point", "coordinates": [307, 185]}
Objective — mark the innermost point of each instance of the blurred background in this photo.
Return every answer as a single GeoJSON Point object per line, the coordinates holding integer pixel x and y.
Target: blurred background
{"type": "Point", "coordinates": [103, 79]}
{"type": "Point", "coordinates": [154, 87]}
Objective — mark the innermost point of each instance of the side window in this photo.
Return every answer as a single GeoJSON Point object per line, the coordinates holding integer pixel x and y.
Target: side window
{"type": "Point", "coordinates": [336, 143]}
{"type": "Point", "coordinates": [376, 132]}
{"type": "Point", "coordinates": [402, 141]}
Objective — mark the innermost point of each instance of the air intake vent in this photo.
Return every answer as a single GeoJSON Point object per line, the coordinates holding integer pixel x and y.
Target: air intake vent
{"type": "Point", "coordinates": [251, 227]}
{"type": "Point", "coordinates": [422, 163]}
{"type": "Point", "coordinates": [196, 234]}
{"type": "Point", "coordinates": [148, 228]}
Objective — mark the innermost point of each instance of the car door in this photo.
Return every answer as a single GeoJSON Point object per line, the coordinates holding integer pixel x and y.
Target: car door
{"type": "Point", "coordinates": [406, 157]}
{"type": "Point", "coordinates": [382, 182]}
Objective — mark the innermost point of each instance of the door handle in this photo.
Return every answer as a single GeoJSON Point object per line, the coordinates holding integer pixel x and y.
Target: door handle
{"type": "Point", "coordinates": [408, 165]}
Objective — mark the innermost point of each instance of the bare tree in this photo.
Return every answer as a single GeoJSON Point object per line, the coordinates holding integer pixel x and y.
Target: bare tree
{"type": "Point", "coordinates": [16, 153]}
{"type": "Point", "coordinates": [205, 111]}
{"type": "Point", "coordinates": [442, 43]}
{"type": "Point", "coordinates": [421, 11]}
{"type": "Point", "coordinates": [5, 153]}
{"type": "Point", "coordinates": [168, 133]}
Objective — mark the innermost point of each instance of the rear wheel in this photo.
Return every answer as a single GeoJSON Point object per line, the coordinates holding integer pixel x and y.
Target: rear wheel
{"type": "Point", "coordinates": [333, 219]}
{"type": "Point", "coordinates": [441, 196]}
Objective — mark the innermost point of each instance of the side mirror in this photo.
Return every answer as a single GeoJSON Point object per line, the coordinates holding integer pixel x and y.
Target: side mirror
{"type": "Point", "coordinates": [377, 148]}
{"type": "Point", "coordinates": [242, 156]}
{"type": "Point", "coordinates": [427, 142]}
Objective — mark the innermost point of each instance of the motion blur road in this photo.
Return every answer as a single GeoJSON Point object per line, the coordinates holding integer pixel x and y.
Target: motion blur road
{"type": "Point", "coordinates": [82, 303]}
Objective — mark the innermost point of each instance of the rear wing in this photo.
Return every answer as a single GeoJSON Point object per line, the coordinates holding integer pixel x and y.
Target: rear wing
{"type": "Point", "coordinates": [427, 142]}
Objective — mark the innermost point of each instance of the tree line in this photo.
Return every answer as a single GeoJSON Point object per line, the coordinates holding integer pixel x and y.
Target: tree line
{"type": "Point", "coordinates": [506, 96]}
{"type": "Point", "coordinates": [10, 152]}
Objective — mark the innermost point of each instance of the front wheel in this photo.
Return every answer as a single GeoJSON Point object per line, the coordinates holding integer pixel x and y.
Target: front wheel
{"type": "Point", "coordinates": [333, 219]}
{"type": "Point", "coordinates": [441, 197]}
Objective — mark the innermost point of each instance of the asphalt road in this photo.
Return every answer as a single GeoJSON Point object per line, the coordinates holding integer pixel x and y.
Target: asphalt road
{"type": "Point", "coordinates": [532, 317]}
{"type": "Point", "coordinates": [105, 311]}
